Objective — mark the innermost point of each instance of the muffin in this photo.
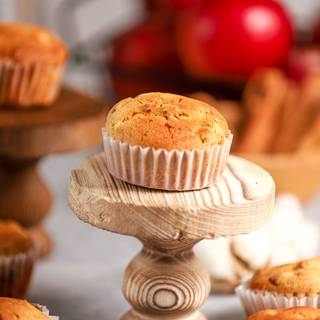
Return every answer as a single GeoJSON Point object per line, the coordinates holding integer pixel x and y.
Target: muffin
{"type": "Point", "coordinates": [285, 286]}
{"type": "Point", "coordinates": [166, 141]}
{"type": "Point", "coordinates": [11, 309]}
{"type": "Point", "coordinates": [43, 244]}
{"type": "Point", "coordinates": [17, 258]}
{"type": "Point", "coordinates": [297, 279]}
{"type": "Point", "coordinates": [31, 65]}
{"type": "Point", "coordinates": [297, 313]}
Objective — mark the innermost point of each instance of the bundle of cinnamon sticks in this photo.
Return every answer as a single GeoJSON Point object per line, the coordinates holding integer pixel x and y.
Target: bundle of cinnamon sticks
{"type": "Point", "coordinates": [276, 114]}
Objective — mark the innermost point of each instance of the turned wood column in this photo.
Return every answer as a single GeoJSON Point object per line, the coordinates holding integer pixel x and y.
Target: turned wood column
{"type": "Point", "coordinates": [167, 281]}
{"type": "Point", "coordinates": [24, 196]}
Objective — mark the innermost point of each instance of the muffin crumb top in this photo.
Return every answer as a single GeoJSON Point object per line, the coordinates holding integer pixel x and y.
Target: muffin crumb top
{"type": "Point", "coordinates": [296, 279]}
{"type": "Point", "coordinates": [30, 44]}
{"type": "Point", "coordinates": [15, 309]}
{"type": "Point", "coordinates": [296, 313]}
{"type": "Point", "coordinates": [13, 239]}
{"type": "Point", "coordinates": [167, 121]}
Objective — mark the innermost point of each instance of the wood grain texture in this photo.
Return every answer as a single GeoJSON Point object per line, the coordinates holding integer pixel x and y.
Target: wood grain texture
{"type": "Point", "coordinates": [73, 122]}
{"type": "Point", "coordinates": [165, 281]}
{"type": "Point", "coordinates": [133, 315]}
{"type": "Point", "coordinates": [239, 203]}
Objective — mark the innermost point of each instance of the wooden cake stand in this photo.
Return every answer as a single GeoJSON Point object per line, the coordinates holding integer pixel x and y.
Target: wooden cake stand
{"type": "Point", "coordinates": [165, 280]}
{"type": "Point", "coordinates": [26, 136]}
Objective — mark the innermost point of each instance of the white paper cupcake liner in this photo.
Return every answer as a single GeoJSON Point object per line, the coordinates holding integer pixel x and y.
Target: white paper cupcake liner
{"type": "Point", "coordinates": [46, 312]}
{"type": "Point", "coordinates": [15, 274]}
{"type": "Point", "coordinates": [167, 170]}
{"type": "Point", "coordinates": [255, 300]}
{"type": "Point", "coordinates": [29, 85]}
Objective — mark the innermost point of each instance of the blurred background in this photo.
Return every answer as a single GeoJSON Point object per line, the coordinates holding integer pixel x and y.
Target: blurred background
{"type": "Point", "coordinates": [256, 61]}
{"type": "Point", "coordinates": [90, 28]}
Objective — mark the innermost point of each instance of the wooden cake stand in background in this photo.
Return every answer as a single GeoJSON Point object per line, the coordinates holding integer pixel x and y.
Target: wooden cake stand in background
{"type": "Point", "coordinates": [165, 280]}
{"type": "Point", "coordinates": [74, 122]}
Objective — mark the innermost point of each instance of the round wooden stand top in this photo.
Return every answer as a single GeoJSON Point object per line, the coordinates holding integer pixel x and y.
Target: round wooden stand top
{"type": "Point", "coordinates": [241, 202]}
{"type": "Point", "coordinates": [72, 123]}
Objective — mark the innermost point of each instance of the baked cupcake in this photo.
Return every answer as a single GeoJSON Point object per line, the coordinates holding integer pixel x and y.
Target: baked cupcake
{"type": "Point", "coordinates": [17, 258]}
{"type": "Point", "coordinates": [31, 65]}
{"type": "Point", "coordinates": [42, 242]}
{"type": "Point", "coordinates": [166, 141]}
{"type": "Point", "coordinates": [297, 313]}
{"type": "Point", "coordinates": [11, 309]}
{"type": "Point", "coordinates": [285, 286]}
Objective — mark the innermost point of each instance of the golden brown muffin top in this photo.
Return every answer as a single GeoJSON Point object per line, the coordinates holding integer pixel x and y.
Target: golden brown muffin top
{"type": "Point", "coordinates": [15, 309]}
{"type": "Point", "coordinates": [302, 278]}
{"type": "Point", "coordinates": [296, 313]}
{"type": "Point", "coordinates": [13, 239]}
{"type": "Point", "coordinates": [28, 44]}
{"type": "Point", "coordinates": [167, 121]}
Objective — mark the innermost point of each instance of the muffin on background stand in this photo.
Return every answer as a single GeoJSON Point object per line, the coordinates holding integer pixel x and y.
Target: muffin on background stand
{"type": "Point", "coordinates": [23, 310]}
{"type": "Point", "coordinates": [229, 259]}
{"type": "Point", "coordinates": [17, 258]}
{"type": "Point", "coordinates": [31, 65]}
{"type": "Point", "coordinates": [285, 286]}
{"type": "Point", "coordinates": [43, 245]}
{"type": "Point", "coordinates": [296, 313]}
{"type": "Point", "coordinates": [166, 141]}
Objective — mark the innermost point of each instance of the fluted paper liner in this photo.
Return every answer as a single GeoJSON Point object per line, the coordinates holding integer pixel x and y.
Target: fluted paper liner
{"type": "Point", "coordinates": [167, 170]}
{"type": "Point", "coordinates": [15, 274]}
{"type": "Point", "coordinates": [46, 312]}
{"type": "Point", "coordinates": [256, 300]}
{"type": "Point", "coordinates": [29, 85]}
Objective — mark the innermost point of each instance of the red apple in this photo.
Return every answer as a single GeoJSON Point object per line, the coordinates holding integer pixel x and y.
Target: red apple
{"type": "Point", "coordinates": [232, 38]}
{"type": "Point", "coordinates": [150, 45]}
{"type": "Point", "coordinates": [304, 61]}
{"type": "Point", "coordinates": [145, 59]}
{"type": "Point", "coordinates": [316, 33]}
{"type": "Point", "coordinates": [174, 6]}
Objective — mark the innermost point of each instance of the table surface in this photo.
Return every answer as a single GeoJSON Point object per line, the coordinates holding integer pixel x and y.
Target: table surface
{"type": "Point", "coordinates": [82, 279]}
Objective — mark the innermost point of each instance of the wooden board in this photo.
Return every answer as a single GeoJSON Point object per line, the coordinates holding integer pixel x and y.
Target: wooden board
{"type": "Point", "coordinates": [71, 123]}
{"type": "Point", "coordinates": [241, 202]}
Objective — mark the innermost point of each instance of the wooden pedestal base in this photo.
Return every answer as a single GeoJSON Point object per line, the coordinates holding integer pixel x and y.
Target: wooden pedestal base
{"type": "Point", "coordinates": [165, 281]}
{"type": "Point", "coordinates": [26, 136]}
{"type": "Point", "coordinates": [133, 315]}
{"type": "Point", "coordinates": [24, 196]}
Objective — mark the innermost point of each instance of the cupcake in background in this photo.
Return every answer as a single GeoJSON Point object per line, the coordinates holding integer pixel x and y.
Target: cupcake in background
{"type": "Point", "coordinates": [297, 313]}
{"type": "Point", "coordinates": [284, 286]}
{"type": "Point", "coordinates": [17, 258]}
{"type": "Point", "coordinates": [288, 237]}
{"type": "Point", "coordinates": [166, 141]}
{"type": "Point", "coordinates": [23, 310]}
{"type": "Point", "coordinates": [31, 65]}
{"type": "Point", "coordinates": [43, 245]}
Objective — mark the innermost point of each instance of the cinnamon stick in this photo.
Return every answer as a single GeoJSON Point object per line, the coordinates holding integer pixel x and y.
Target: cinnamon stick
{"type": "Point", "coordinates": [263, 99]}
{"type": "Point", "coordinates": [301, 116]}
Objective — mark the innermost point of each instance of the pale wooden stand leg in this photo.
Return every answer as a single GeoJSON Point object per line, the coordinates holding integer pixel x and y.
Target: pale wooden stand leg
{"type": "Point", "coordinates": [24, 196]}
{"type": "Point", "coordinates": [166, 282]}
